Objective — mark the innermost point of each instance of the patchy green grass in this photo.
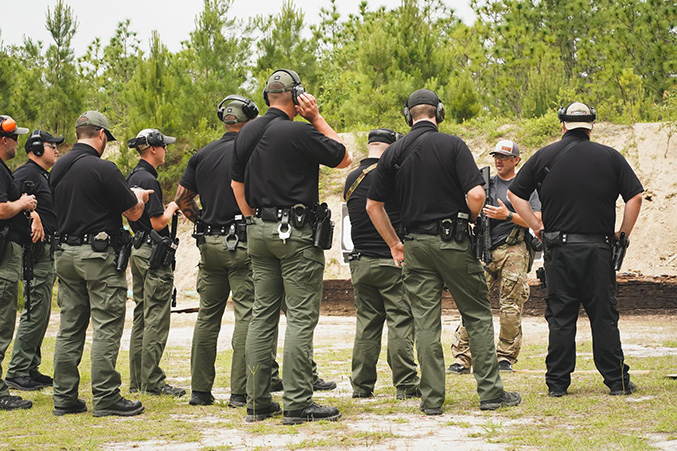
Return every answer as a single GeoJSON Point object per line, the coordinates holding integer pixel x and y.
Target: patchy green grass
{"type": "Point", "coordinates": [588, 418]}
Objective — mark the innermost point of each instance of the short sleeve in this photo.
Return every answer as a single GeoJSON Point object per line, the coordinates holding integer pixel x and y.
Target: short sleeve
{"type": "Point", "coordinates": [628, 182]}
{"type": "Point", "coordinates": [320, 148]}
{"type": "Point", "coordinates": [383, 183]}
{"type": "Point", "coordinates": [188, 179]}
{"type": "Point", "coordinates": [525, 183]}
{"type": "Point", "coordinates": [119, 195]}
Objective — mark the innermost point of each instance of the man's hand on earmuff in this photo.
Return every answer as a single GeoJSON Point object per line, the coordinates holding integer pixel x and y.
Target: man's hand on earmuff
{"type": "Point", "coordinates": [307, 107]}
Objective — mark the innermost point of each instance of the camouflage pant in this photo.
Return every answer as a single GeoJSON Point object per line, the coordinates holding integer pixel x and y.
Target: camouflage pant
{"type": "Point", "coordinates": [508, 269]}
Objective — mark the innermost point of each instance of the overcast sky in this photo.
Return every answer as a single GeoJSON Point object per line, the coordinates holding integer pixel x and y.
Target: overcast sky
{"type": "Point", "coordinates": [174, 19]}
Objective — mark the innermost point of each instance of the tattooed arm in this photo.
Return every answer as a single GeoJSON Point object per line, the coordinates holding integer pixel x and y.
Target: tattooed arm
{"type": "Point", "coordinates": [185, 199]}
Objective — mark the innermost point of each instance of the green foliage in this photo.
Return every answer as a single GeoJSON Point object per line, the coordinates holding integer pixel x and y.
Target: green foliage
{"type": "Point", "coordinates": [519, 61]}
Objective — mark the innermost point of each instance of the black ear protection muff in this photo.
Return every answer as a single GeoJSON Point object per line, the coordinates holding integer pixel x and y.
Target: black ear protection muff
{"type": "Point", "coordinates": [249, 108]}
{"type": "Point", "coordinates": [7, 125]}
{"type": "Point", "coordinates": [153, 139]}
{"type": "Point", "coordinates": [385, 133]}
{"type": "Point", "coordinates": [440, 112]}
{"type": "Point", "coordinates": [564, 117]}
{"type": "Point", "coordinates": [296, 90]}
{"type": "Point", "coordinates": [34, 144]}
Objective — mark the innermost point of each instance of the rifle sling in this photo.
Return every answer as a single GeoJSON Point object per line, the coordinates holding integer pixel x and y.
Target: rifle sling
{"type": "Point", "coordinates": [409, 150]}
{"type": "Point", "coordinates": [58, 179]}
{"type": "Point", "coordinates": [359, 179]}
{"type": "Point", "coordinates": [560, 154]}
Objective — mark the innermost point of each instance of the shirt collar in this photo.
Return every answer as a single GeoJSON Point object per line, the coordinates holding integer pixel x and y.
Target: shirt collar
{"type": "Point", "coordinates": [148, 167]}
{"type": "Point", "coordinates": [229, 136]}
{"type": "Point", "coordinates": [277, 112]}
{"type": "Point", "coordinates": [42, 170]}
{"type": "Point", "coordinates": [424, 125]}
{"type": "Point", "coordinates": [85, 148]}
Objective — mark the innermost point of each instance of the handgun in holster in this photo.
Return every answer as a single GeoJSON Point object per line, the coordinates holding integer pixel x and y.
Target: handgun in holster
{"type": "Point", "coordinates": [323, 230]}
{"type": "Point", "coordinates": [123, 250]}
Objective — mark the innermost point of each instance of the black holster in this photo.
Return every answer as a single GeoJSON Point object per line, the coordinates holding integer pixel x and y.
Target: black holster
{"type": "Point", "coordinates": [4, 240]}
{"type": "Point", "coordinates": [123, 250]}
{"type": "Point", "coordinates": [323, 227]}
{"type": "Point", "coordinates": [162, 252]}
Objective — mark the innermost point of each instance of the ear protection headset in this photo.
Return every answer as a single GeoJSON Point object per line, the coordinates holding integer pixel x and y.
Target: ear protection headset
{"type": "Point", "coordinates": [440, 112]}
{"type": "Point", "coordinates": [7, 125]}
{"type": "Point", "coordinates": [153, 139]}
{"type": "Point", "coordinates": [390, 135]}
{"type": "Point", "coordinates": [34, 144]}
{"type": "Point", "coordinates": [564, 117]}
{"type": "Point", "coordinates": [249, 108]}
{"type": "Point", "coordinates": [296, 90]}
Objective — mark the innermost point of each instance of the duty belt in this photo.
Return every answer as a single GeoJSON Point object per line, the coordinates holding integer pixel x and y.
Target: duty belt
{"type": "Point", "coordinates": [298, 215]}
{"type": "Point", "coordinates": [354, 256]}
{"type": "Point", "coordinates": [554, 239]}
{"type": "Point", "coordinates": [87, 238]}
{"type": "Point", "coordinates": [141, 238]}
{"type": "Point", "coordinates": [575, 238]}
{"type": "Point", "coordinates": [426, 228]}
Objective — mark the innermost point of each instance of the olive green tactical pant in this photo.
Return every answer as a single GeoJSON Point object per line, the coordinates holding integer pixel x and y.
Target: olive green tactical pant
{"type": "Point", "coordinates": [284, 272]}
{"type": "Point", "coordinates": [10, 268]}
{"type": "Point", "coordinates": [221, 271]}
{"type": "Point", "coordinates": [429, 264]}
{"type": "Point", "coordinates": [508, 270]}
{"type": "Point", "coordinates": [379, 297]}
{"type": "Point", "coordinates": [26, 355]}
{"type": "Point", "coordinates": [153, 296]}
{"type": "Point", "coordinates": [89, 285]}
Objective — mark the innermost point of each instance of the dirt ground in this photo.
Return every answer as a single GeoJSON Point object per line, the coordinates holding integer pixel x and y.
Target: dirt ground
{"type": "Point", "coordinates": [642, 336]}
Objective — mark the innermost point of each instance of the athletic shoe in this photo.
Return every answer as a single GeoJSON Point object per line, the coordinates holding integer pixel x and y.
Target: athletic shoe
{"type": "Point", "coordinates": [314, 412]}
{"type": "Point", "coordinates": [201, 398]}
{"type": "Point", "coordinates": [78, 407]}
{"type": "Point", "coordinates": [9, 402]}
{"type": "Point", "coordinates": [505, 366]}
{"type": "Point", "coordinates": [261, 414]}
{"type": "Point", "coordinates": [25, 383]}
{"type": "Point", "coordinates": [457, 368]}
{"type": "Point", "coordinates": [507, 399]}
{"type": "Point", "coordinates": [122, 408]}
{"type": "Point", "coordinates": [321, 385]}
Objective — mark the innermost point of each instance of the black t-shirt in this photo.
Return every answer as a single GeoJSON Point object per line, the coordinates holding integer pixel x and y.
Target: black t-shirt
{"type": "Point", "coordinates": [91, 195]}
{"type": "Point", "coordinates": [432, 182]}
{"type": "Point", "coordinates": [282, 168]}
{"type": "Point", "coordinates": [366, 238]}
{"type": "Point", "coordinates": [208, 174]}
{"type": "Point", "coordinates": [144, 176]}
{"type": "Point", "coordinates": [35, 173]}
{"type": "Point", "coordinates": [9, 193]}
{"type": "Point", "coordinates": [500, 229]}
{"type": "Point", "coordinates": [579, 194]}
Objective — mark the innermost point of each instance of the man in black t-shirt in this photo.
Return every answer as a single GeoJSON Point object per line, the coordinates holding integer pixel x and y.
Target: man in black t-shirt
{"type": "Point", "coordinates": [377, 282]}
{"type": "Point", "coordinates": [511, 257]}
{"type": "Point", "coordinates": [578, 183]}
{"type": "Point", "coordinates": [152, 282]}
{"type": "Point", "coordinates": [90, 195]}
{"type": "Point", "coordinates": [23, 373]}
{"type": "Point", "coordinates": [224, 263]}
{"type": "Point", "coordinates": [276, 166]}
{"type": "Point", "coordinates": [431, 174]}
{"type": "Point", "coordinates": [13, 229]}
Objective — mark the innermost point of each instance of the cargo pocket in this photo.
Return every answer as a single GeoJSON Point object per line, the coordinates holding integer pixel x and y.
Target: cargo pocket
{"type": "Point", "coordinates": [115, 296]}
{"type": "Point", "coordinates": [309, 269]}
{"type": "Point", "coordinates": [476, 278]}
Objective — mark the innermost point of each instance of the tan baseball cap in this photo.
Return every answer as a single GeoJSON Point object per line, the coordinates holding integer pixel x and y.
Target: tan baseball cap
{"type": "Point", "coordinates": [95, 119]}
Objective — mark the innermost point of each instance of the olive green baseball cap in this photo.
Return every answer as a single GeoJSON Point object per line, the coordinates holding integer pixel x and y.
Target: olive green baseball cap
{"type": "Point", "coordinates": [95, 119]}
{"type": "Point", "coordinates": [282, 80]}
